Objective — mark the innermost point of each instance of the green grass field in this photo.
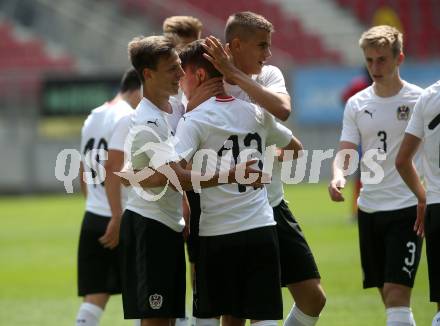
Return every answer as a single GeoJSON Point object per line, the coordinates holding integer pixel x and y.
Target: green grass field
{"type": "Point", "coordinates": [38, 242]}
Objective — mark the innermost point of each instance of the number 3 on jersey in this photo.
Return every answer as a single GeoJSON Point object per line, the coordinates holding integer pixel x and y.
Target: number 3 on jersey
{"type": "Point", "coordinates": [247, 141]}
{"type": "Point", "coordinates": [383, 138]}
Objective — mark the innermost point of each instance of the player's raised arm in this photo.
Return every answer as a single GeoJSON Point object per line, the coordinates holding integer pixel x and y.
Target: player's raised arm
{"type": "Point", "coordinates": [277, 104]}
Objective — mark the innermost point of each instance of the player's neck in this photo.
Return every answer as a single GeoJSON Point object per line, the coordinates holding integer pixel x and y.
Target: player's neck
{"type": "Point", "coordinates": [158, 98]}
{"type": "Point", "coordinates": [127, 98]}
{"type": "Point", "coordinates": [388, 89]}
{"type": "Point", "coordinates": [115, 99]}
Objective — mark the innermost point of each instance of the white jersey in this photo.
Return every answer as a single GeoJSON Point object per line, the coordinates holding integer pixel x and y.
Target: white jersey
{"type": "Point", "coordinates": [379, 123]}
{"type": "Point", "coordinates": [159, 127]}
{"type": "Point", "coordinates": [272, 78]}
{"type": "Point", "coordinates": [227, 126]}
{"type": "Point", "coordinates": [105, 128]}
{"type": "Point", "coordinates": [425, 124]}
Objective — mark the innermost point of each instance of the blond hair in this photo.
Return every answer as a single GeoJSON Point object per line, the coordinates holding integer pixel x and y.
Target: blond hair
{"type": "Point", "coordinates": [381, 36]}
{"type": "Point", "coordinates": [183, 26]}
{"type": "Point", "coordinates": [145, 52]}
{"type": "Point", "coordinates": [243, 24]}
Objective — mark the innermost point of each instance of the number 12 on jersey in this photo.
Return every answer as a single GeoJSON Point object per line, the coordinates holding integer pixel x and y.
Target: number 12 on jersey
{"type": "Point", "coordinates": [232, 144]}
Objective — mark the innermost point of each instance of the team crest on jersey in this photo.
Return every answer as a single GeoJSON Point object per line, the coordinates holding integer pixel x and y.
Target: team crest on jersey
{"type": "Point", "coordinates": [156, 301]}
{"type": "Point", "coordinates": [403, 112]}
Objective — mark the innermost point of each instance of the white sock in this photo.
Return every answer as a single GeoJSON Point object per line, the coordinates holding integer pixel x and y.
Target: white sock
{"type": "Point", "coordinates": [88, 315]}
{"type": "Point", "coordinates": [137, 322]}
{"type": "Point", "coordinates": [297, 318]}
{"type": "Point", "coordinates": [400, 316]}
{"type": "Point", "coordinates": [436, 319]}
{"type": "Point", "coordinates": [207, 322]}
{"type": "Point", "coordinates": [182, 322]}
{"type": "Point", "coordinates": [265, 323]}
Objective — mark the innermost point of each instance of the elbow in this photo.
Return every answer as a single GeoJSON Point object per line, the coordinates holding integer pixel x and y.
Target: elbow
{"type": "Point", "coordinates": [284, 113]}
{"type": "Point", "coordinates": [299, 147]}
{"type": "Point", "coordinates": [401, 164]}
{"type": "Point", "coordinates": [298, 153]}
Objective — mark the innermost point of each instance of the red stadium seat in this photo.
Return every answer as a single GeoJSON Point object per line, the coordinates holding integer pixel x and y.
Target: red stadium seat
{"type": "Point", "coordinates": [23, 63]}
{"type": "Point", "coordinates": [288, 29]}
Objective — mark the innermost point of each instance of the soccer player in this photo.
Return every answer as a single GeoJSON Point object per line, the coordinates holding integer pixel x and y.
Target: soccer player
{"type": "Point", "coordinates": [153, 260]}
{"type": "Point", "coordinates": [183, 30]}
{"type": "Point", "coordinates": [424, 128]}
{"type": "Point", "coordinates": [375, 119]}
{"type": "Point", "coordinates": [98, 271]}
{"type": "Point", "coordinates": [249, 78]}
{"type": "Point", "coordinates": [237, 272]}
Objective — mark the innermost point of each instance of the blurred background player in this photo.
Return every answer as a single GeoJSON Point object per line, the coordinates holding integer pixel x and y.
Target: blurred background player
{"type": "Point", "coordinates": [249, 78]}
{"type": "Point", "coordinates": [424, 129]}
{"type": "Point", "coordinates": [356, 85]}
{"type": "Point", "coordinates": [184, 28]}
{"type": "Point", "coordinates": [376, 119]}
{"type": "Point", "coordinates": [98, 259]}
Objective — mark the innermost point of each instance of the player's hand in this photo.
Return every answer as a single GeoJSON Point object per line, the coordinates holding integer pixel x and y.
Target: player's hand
{"type": "Point", "coordinates": [126, 174]}
{"type": "Point", "coordinates": [219, 56]}
{"type": "Point", "coordinates": [110, 239]}
{"type": "Point", "coordinates": [212, 87]}
{"type": "Point", "coordinates": [419, 225]}
{"type": "Point", "coordinates": [334, 189]}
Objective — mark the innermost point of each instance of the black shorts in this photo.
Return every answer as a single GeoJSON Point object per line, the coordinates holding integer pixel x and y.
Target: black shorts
{"type": "Point", "coordinates": [153, 269]}
{"type": "Point", "coordinates": [238, 274]}
{"type": "Point", "coordinates": [432, 233]}
{"type": "Point", "coordinates": [192, 244]}
{"type": "Point", "coordinates": [390, 249]}
{"type": "Point", "coordinates": [296, 258]}
{"type": "Point", "coordinates": [98, 267]}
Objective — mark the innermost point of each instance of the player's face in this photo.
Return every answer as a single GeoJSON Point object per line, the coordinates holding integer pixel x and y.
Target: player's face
{"type": "Point", "coordinates": [251, 54]}
{"type": "Point", "coordinates": [382, 64]}
{"type": "Point", "coordinates": [167, 74]}
{"type": "Point", "coordinates": [189, 82]}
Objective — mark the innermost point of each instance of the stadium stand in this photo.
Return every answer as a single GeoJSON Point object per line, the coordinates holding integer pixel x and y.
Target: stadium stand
{"type": "Point", "coordinates": [419, 20]}
{"type": "Point", "coordinates": [290, 37]}
{"type": "Point", "coordinates": [27, 58]}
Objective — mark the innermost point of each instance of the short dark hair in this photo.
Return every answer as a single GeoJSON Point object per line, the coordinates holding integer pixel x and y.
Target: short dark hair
{"type": "Point", "coordinates": [145, 52]}
{"type": "Point", "coordinates": [192, 56]}
{"type": "Point", "coordinates": [244, 23]}
{"type": "Point", "coordinates": [130, 81]}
